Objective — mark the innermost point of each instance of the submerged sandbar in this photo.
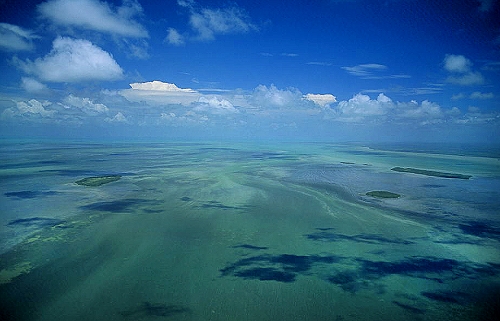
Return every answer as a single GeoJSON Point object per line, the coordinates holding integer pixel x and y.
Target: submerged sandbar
{"type": "Point", "coordinates": [383, 194]}
{"type": "Point", "coordinates": [98, 180]}
{"type": "Point", "coordinates": [430, 173]}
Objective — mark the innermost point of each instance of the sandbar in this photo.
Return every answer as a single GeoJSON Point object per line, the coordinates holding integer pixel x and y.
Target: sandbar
{"type": "Point", "coordinates": [98, 180]}
{"type": "Point", "coordinates": [430, 173]}
{"type": "Point", "coordinates": [383, 194]}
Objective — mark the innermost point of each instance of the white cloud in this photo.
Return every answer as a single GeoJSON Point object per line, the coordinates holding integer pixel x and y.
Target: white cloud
{"type": "Point", "coordinates": [31, 108]}
{"type": "Point", "coordinates": [86, 105]}
{"type": "Point", "coordinates": [461, 71]}
{"type": "Point", "coordinates": [362, 109]}
{"type": "Point", "coordinates": [32, 85]}
{"type": "Point", "coordinates": [322, 100]}
{"type": "Point", "coordinates": [426, 110]}
{"type": "Point", "coordinates": [118, 118]}
{"type": "Point", "coordinates": [96, 15]}
{"type": "Point", "coordinates": [372, 71]}
{"type": "Point", "coordinates": [15, 38]}
{"type": "Point", "coordinates": [174, 37]}
{"type": "Point", "coordinates": [157, 85]}
{"type": "Point", "coordinates": [480, 95]}
{"type": "Point", "coordinates": [207, 22]}
{"type": "Point", "coordinates": [319, 63]}
{"type": "Point", "coordinates": [361, 106]}
{"type": "Point", "coordinates": [457, 63]}
{"type": "Point", "coordinates": [160, 93]}
{"type": "Point", "coordinates": [274, 97]}
{"type": "Point", "coordinates": [74, 60]}
{"type": "Point", "coordinates": [467, 79]}
{"type": "Point", "coordinates": [364, 70]}
{"type": "Point", "coordinates": [215, 105]}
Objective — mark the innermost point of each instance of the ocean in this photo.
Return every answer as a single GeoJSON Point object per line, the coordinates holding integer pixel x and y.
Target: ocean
{"type": "Point", "coordinates": [249, 231]}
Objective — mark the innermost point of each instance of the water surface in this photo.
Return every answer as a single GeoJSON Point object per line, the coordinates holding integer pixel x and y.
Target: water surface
{"type": "Point", "coordinates": [247, 232]}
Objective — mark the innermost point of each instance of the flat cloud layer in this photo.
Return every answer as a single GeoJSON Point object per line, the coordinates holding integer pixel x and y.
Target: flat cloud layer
{"type": "Point", "coordinates": [157, 85]}
{"type": "Point", "coordinates": [160, 93]}
{"type": "Point", "coordinates": [95, 15]}
{"type": "Point", "coordinates": [74, 60]}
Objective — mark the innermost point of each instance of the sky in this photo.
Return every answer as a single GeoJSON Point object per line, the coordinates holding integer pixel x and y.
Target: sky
{"type": "Point", "coordinates": [323, 70]}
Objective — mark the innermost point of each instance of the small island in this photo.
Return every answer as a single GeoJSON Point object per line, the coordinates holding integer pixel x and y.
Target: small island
{"type": "Point", "coordinates": [429, 173]}
{"type": "Point", "coordinates": [383, 194]}
{"type": "Point", "coordinates": [98, 180]}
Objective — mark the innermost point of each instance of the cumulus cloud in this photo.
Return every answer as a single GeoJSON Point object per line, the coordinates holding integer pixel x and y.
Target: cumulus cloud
{"type": "Point", "coordinates": [85, 105]}
{"type": "Point", "coordinates": [362, 109]}
{"type": "Point", "coordinates": [95, 15]}
{"type": "Point", "coordinates": [274, 97]}
{"type": "Point", "coordinates": [15, 38]}
{"type": "Point", "coordinates": [361, 106]}
{"type": "Point", "coordinates": [209, 22]}
{"type": "Point", "coordinates": [322, 100]}
{"type": "Point", "coordinates": [118, 118]}
{"type": "Point", "coordinates": [160, 93]}
{"type": "Point", "coordinates": [30, 109]}
{"type": "Point", "coordinates": [426, 110]}
{"type": "Point", "coordinates": [457, 63]}
{"type": "Point", "coordinates": [74, 60]}
{"type": "Point", "coordinates": [32, 85]}
{"type": "Point", "coordinates": [461, 71]}
{"type": "Point", "coordinates": [215, 105]}
{"type": "Point", "coordinates": [174, 37]}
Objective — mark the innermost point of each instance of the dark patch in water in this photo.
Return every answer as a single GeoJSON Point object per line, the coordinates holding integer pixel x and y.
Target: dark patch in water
{"type": "Point", "coordinates": [119, 206]}
{"type": "Point", "coordinates": [325, 228]}
{"type": "Point", "coordinates": [409, 308]}
{"type": "Point", "coordinates": [447, 296]}
{"type": "Point", "coordinates": [433, 185]}
{"type": "Point", "coordinates": [216, 204]}
{"type": "Point", "coordinates": [281, 268]}
{"type": "Point", "coordinates": [219, 205]}
{"type": "Point", "coordinates": [420, 267]}
{"type": "Point", "coordinates": [35, 222]}
{"type": "Point", "coordinates": [359, 152]}
{"type": "Point", "coordinates": [325, 236]}
{"type": "Point", "coordinates": [30, 194]}
{"type": "Point", "coordinates": [346, 280]}
{"type": "Point", "coordinates": [186, 199]}
{"type": "Point", "coordinates": [480, 229]}
{"type": "Point", "coordinates": [148, 309]}
{"type": "Point", "coordinates": [250, 247]}
{"type": "Point", "coordinates": [272, 155]}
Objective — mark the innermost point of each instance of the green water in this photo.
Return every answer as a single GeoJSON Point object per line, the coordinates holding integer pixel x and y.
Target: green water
{"type": "Point", "coordinates": [246, 232]}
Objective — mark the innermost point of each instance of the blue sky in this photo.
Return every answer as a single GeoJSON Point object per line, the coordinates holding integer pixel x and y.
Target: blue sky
{"type": "Point", "coordinates": [326, 70]}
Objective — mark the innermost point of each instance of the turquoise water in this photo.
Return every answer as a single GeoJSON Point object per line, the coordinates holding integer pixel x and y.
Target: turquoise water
{"type": "Point", "coordinates": [227, 231]}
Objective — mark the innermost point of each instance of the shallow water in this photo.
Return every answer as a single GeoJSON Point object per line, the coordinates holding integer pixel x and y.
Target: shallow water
{"type": "Point", "coordinates": [247, 232]}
